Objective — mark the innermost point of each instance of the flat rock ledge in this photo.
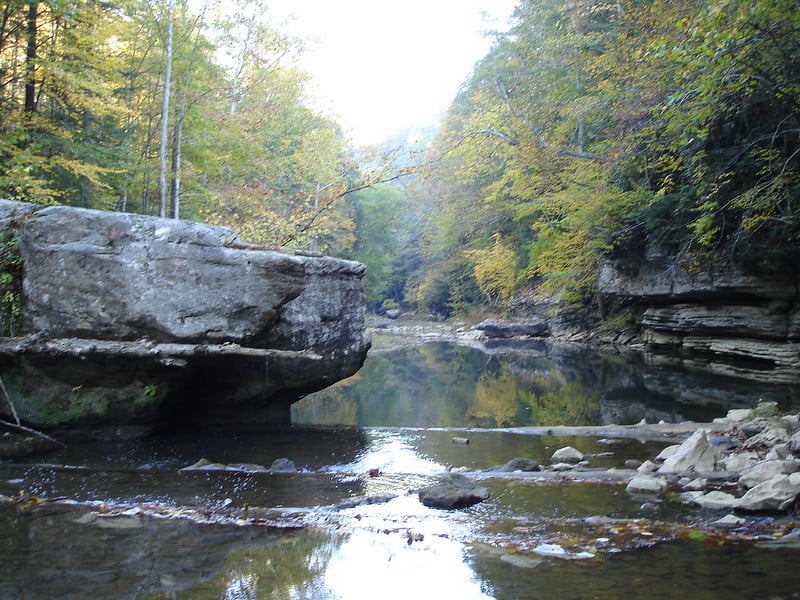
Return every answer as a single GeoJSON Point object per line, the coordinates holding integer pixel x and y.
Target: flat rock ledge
{"type": "Point", "coordinates": [128, 323]}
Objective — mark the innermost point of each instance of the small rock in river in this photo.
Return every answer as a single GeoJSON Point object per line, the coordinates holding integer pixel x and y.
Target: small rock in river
{"type": "Point", "coordinates": [518, 464]}
{"type": "Point", "coordinates": [716, 500]}
{"type": "Point", "coordinates": [204, 465]}
{"type": "Point", "coordinates": [730, 520]}
{"type": "Point", "coordinates": [562, 466]}
{"type": "Point", "coordinates": [695, 485]}
{"type": "Point", "coordinates": [694, 454]}
{"type": "Point", "coordinates": [646, 484]}
{"type": "Point", "coordinates": [567, 454]}
{"type": "Point", "coordinates": [283, 465]}
{"type": "Point", "coordinates": [453, 491]}
{"type": "Point", "coordinates": [776, 494]}
{"type": "Point", "coordinates": [647, 466]}
{"type": "Point", "coordinates": [365, 501]}
{"type": "Point", "coordinates": [460, 441]}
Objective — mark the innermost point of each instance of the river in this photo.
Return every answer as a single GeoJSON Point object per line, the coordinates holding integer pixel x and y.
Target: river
{"type": "Point", "coordinates": [124, 521]}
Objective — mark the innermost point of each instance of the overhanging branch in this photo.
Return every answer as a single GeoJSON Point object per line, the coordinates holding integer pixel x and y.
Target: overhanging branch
{"type": "Point", "coordinates": [511, 141]}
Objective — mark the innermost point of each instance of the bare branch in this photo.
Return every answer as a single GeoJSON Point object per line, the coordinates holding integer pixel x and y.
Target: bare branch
{"type": "Point", "coordinates": [18, 425]}
{"type": "Point", "coordinates": [324, 206]}
{"type": "Point", "coordinates": [10, 403]}
{"type": "Point", "coordinates": [542, 144]}
{"type": "Point", "coordinates": [495, 133]}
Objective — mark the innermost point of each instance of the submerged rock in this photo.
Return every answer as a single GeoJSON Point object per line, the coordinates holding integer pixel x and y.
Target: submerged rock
{"type": "Point", "coordinates": [453, 491]}
{"type": "Point", "coordinates": [206, 465]}
{"type": "Point", "coordinates": [518, 464]}
{"type": "Point", "coordinates": [365, 501]}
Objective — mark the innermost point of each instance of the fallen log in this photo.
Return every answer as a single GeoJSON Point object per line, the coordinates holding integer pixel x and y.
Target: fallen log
{"type": "Point", "coordinates": [35, 345]}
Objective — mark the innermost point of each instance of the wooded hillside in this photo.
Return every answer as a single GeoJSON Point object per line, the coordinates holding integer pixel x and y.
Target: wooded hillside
{"type": "Point", "coordinates": [149, 106]}
{"type": "Point", "coordinates": [594, 128]}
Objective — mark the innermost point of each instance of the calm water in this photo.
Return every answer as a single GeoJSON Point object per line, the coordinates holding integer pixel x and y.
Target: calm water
{"type": "Point", "coordinates": [398, 416]}
{"type": "Point", "coordinates": [528, 383]}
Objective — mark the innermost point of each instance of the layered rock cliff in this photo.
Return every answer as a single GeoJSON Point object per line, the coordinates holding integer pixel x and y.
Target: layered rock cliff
{"type": "Point", "coordinates": [744, 322]}
{"type": "Point", "coordinates": [130, 319]}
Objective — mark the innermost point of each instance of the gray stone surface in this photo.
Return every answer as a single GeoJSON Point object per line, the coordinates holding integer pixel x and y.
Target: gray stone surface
{"type": "Point", "coordinates": [693, 455]}
{"type": "Point", "coordinates": [721, 311]}
{"type": "Point", "coordinates": [567, 454]}
{"type": "Point", "coordinates": [497, 328]}
{"type": "Point", "coordinates": [774, 494]}
{"type": "Point", "coordinates": [94, 277]}
{"type": "Point", "coordinates": [453, 491]}
{"type": "Point", "coordinates": [646, 484]}
{"type": "Point", "coordinates": [717, 500]}
{"type": "Point", "coordinates": [518, 464]}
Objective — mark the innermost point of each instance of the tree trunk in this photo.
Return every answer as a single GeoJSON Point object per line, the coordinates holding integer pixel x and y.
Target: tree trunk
{"type": "Point", "coordinates": [176, 165]}
{"type": "Point", "coordinates": [30, 58]}
{"type": "Point", "coordinates": [162, 187]}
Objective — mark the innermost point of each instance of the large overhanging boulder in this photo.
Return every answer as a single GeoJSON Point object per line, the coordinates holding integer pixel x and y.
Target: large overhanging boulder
{"type": "Point", "coordinates": [131, 319]}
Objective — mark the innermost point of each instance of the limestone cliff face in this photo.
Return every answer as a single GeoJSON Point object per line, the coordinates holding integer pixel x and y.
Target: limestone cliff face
{"type": "Point", "coordinates": [719, 312]}
{"type": "Point", "coordinates": [203, 322]}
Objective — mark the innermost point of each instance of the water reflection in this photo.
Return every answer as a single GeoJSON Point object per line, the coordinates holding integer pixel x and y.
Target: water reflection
{"type": "Point", "coordinates": [60, 553]}
{"type": "Point", "coordinates": [400, 408]}
{"type": "Point", "coordinates": [445, 385]}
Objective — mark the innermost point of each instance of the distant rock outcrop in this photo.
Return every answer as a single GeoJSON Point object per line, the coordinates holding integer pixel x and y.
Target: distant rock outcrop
{"type": "Point", "coordinates": [744, 322]}
{"type": "Point", "coordinates": [129, 319]}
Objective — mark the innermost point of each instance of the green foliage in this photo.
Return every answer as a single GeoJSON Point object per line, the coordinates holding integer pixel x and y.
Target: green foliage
{"type": "Point", "coordinates": [596, 128]}
{"type": "Point", "coordinates": [382, 228]}
{"type": "Point", "coordinates": [495, 271]}
{"type": "Point", "coordinates": [245, 149]}
{"type": "Point", "coordinates": [10, 285]}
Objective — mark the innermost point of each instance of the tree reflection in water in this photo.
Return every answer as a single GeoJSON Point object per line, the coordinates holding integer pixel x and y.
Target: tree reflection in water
{"type": "Point", "coordinates": [441, 384]}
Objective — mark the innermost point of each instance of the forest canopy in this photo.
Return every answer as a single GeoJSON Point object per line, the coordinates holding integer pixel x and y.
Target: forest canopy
{"type": "Point", "coordinates": [159, 107]}
{"type": "Point", "coordinates": [595, 128]}
{"type": "Point", "coordinates": [591, 129]}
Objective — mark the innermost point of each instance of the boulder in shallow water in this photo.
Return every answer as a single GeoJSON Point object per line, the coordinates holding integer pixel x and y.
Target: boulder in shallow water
{"type": "Point", "coordinates": [694, 455]}
{"type": "Point", "coordinates": [135, 320]}
{"type": "Point", "coordinates": [453, 491]}
{"type": "Point", "coordinates": [567, 454]}
{"type": "Point", "coordinates": [776, 494]}
{"type": "Point", "coordinates": [283, 465]}
{"type": "Point", "coordinates": [518, 464]}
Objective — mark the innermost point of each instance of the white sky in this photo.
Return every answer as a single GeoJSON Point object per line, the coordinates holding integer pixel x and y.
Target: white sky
{"type": "Point", "coordinates": [380, 66]}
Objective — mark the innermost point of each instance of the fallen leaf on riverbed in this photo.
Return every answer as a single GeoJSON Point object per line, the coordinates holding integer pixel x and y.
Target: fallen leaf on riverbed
{"type": "Point", "coordinates": [414, 537]}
